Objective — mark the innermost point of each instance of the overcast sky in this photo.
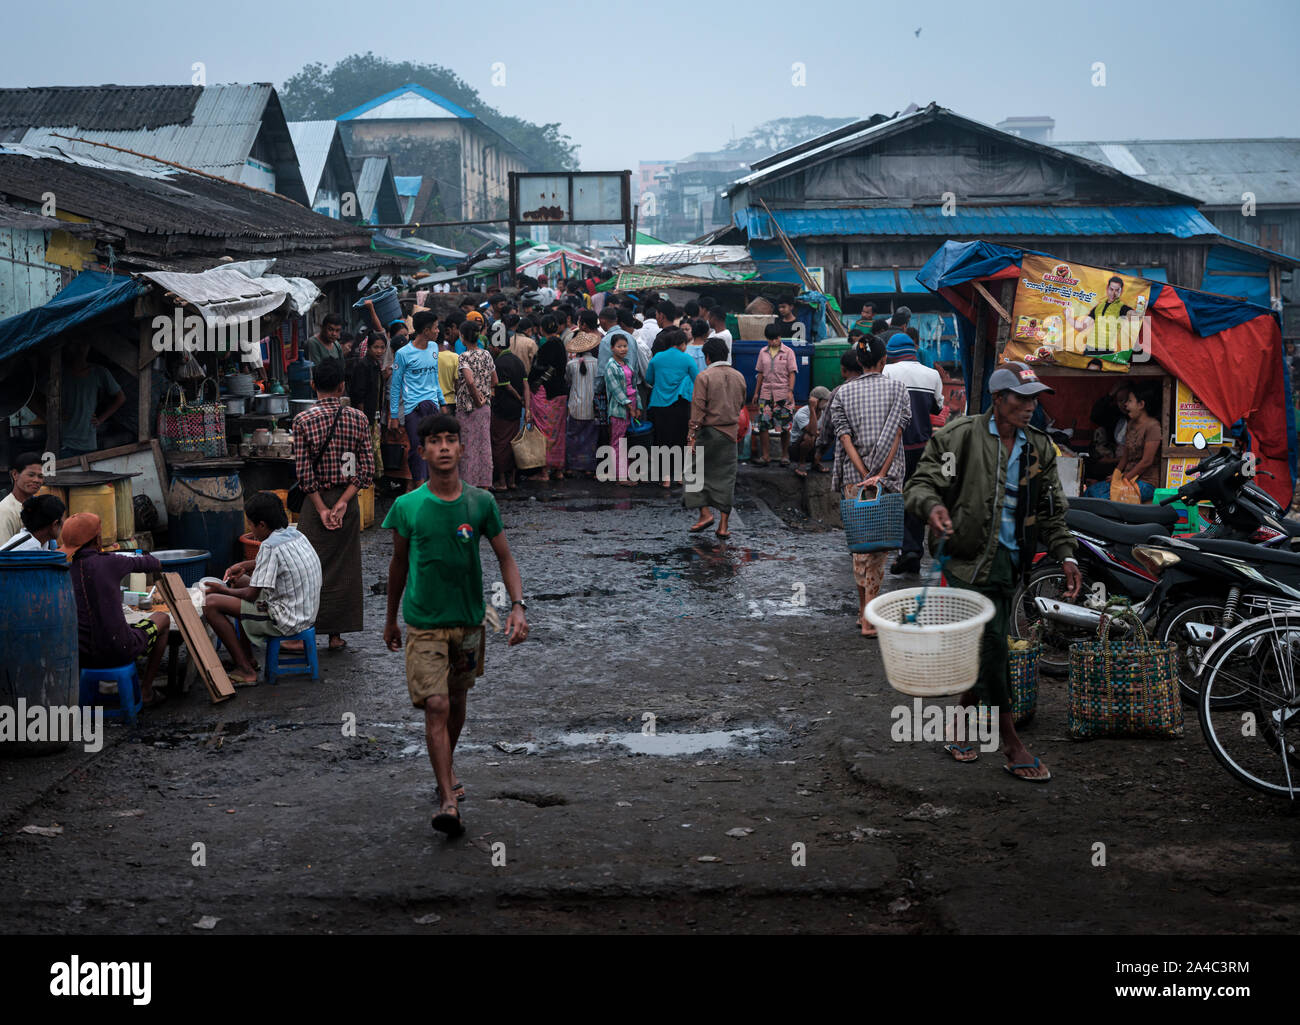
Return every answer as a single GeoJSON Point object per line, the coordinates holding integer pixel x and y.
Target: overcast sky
{"type": "Point", "coordinates": [632, 82]}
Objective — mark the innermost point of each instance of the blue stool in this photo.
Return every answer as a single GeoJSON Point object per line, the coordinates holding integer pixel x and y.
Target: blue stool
{"type": "Point", "coordinates": [127, 678]}
{"type": "Point", "coordinates": [292, 661]}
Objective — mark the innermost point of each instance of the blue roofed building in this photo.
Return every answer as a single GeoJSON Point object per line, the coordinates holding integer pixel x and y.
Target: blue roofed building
{"type": "Point", "coordinates": [866, 205]}
{"type": "Point", "coordinates": [463, 163]}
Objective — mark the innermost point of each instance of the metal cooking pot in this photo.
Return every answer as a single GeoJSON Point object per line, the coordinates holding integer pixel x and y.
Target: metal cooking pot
{"type": "Point", "coordinates": [234, 404]}
{"type": "Point", "coordinates": [301, 405]}
{"type": "Point", "coordinates": [273, 405]}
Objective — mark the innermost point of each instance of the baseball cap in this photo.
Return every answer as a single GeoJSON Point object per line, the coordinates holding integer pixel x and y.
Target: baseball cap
{"type": "Point", "coordinates": [1016, 377]}
{"type": "Point", "coordinates": [78, 531]}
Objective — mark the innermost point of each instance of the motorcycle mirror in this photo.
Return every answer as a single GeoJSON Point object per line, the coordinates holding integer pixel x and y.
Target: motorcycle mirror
{"type": "Point", "coordinates": [1198, 441]}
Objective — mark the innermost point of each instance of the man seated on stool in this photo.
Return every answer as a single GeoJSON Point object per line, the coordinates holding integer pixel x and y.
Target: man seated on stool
{"type": "Point", "coordinates": [279, 599]}
{"type": "Point", "coordinates": [105, 639]}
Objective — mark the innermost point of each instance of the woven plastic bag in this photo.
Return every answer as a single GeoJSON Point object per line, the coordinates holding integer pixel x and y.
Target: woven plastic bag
{"type": "Point", "coordinates": [1124, 688]}
{"type": "Point", "coordinates": [872, 524]}
{"type": "Point", "coordinates": [194, 427]}
{"type": "Point", "coordinates": [529, 446]}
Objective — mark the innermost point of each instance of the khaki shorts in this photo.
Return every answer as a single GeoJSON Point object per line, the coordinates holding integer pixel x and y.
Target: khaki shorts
{"type": "Point", "coordinates": [442, 661]}
{"type": "Point", "coordinates": [256, 622]}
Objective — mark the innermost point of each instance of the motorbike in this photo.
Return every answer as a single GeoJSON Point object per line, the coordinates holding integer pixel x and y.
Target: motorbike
{"type": "Point", "coordinates": [1247, 521]}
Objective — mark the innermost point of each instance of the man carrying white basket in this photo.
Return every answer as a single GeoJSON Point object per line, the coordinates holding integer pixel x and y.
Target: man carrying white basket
{"type": "Point", "coordinates": [987, 486]}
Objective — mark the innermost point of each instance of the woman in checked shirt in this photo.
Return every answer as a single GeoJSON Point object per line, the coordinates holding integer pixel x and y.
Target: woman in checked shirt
{"type": "Point", "coordinates": [334, 458]}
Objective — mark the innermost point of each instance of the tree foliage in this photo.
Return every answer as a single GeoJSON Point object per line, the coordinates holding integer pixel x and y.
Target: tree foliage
{"type": "Point", "coordinates": [784, 132]}
{"type": "Point", "coordinates": [320, 93]}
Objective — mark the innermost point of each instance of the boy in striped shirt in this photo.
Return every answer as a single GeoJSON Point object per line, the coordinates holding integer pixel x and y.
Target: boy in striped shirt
{"type": "Point", "coordinates": [280, 597]}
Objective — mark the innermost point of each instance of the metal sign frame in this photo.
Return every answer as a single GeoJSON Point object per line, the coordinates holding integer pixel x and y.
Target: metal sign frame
{"type": "Point", "coordinates": [514, 221]}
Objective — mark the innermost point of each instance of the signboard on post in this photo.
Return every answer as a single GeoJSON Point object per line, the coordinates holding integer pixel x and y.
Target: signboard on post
{"type": "Point", "coordinates": [568, 197]}
{"type": "Point", "coordinates": [1078, 316]}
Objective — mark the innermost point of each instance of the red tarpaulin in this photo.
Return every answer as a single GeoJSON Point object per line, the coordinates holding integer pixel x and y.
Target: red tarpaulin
{"type": "Point", "coordinates": [1228, 352]}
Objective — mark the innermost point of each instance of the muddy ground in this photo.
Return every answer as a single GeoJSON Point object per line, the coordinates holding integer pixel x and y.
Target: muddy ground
{"type": "Point", "coordinates": [772, 722]}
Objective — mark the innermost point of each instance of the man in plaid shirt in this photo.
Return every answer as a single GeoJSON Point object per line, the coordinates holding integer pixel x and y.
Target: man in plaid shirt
{"type": "Point", "coordinates": [330, 475]}
{"type": "Point", "coordinates": [868, 415]}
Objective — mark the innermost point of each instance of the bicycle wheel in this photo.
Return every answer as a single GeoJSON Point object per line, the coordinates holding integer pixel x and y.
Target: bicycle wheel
{"type": "Point", "coordinates": [1254, 735]}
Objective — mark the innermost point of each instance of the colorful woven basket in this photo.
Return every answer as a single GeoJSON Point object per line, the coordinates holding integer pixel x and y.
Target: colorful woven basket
{"type": "Point", "coordinates": [1024, 677]}
{"type": "Point", "coordinates": [1124, 688]}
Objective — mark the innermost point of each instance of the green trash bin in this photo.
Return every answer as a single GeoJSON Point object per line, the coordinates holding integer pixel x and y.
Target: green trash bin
{"type": "Point", "coordinates": [826, 362]}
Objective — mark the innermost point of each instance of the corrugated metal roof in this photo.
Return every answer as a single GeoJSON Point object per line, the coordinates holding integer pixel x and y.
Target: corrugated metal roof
{"type": "Point", "coordinates": [217, 137]}
{"type": "Point", "coordinates": [408, 184]}
{"type": "Point", "coordinates": [312, 141]}
{"type": "Point", "coordinates": [177, 206]}
{"type": "Point", "coordinates": [99, 108]}
{"type": "Point", "coordinates": [207, 128]}
{"type": "Point", "coordinates": [1215, 171]}
{"type": "Point", "coordinates": [1178, 221]}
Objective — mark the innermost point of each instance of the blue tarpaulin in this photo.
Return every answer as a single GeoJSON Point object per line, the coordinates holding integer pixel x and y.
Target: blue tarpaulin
{"type": "Point", "coordinates": [1235, 326]}
{"type": "Point", "coordinates": [1177, 221]}
{"type": "Point", "coordinates": [67, 310]}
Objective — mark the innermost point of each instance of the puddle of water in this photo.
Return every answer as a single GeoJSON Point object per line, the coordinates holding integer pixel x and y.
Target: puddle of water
{"type": "Point", "coordinates": [665, 743]}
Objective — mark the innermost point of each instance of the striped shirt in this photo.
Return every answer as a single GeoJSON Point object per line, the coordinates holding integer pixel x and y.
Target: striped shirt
{"type": "Point", "coordinates": [288, 572]}
{"type": "Point", "coordinates": [872, 409]}
{"type": "Point", "coordinates": [351, 438]}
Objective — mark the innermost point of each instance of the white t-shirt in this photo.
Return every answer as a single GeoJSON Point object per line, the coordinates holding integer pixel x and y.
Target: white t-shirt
{"type": "Point", "coordinates": [11, 516]}
{"type": "Point", "coordinates": [26, 544]}
{"type": "Point", "coordinates": [725, 335]}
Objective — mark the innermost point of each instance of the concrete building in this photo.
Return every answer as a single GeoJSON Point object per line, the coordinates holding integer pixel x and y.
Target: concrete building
{"type": "Point", "coordinates": [464, 164]}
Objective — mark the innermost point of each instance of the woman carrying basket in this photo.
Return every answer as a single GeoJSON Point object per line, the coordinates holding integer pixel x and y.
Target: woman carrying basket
{"type": "Point", "coordinates": [868, 415]}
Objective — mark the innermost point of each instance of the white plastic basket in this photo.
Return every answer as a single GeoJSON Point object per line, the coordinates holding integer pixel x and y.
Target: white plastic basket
{"type": "Point", "coordinates": [939, 654]}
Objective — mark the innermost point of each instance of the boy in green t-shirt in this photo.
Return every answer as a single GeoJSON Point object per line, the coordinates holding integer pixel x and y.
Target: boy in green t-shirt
{"type": "Point", "coordinates": [436, 531]}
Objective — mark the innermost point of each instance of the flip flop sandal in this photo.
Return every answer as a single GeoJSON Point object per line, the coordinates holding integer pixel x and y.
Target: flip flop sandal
{"type": "Point", "coordinates": [336, 648]}
{"type": "Point", "coordinates": [956, 749]}
{"type": "Point", "coordinates": [1011, 769]}
{"type": "Point", "coordinates": [702, 527]}
{"type": "Point", "coordinates": [458, 793]}
{"type": "Point", "coordinates": [449, 823]}
{"type": "Point", "coordinates": [724, 534]}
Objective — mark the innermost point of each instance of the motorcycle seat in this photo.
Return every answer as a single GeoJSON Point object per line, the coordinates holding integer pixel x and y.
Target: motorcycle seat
{"type": "Point", "coordinates": [1247, 552]}
{"type": "Point", "coordinates": [1108, 530]}
{"type": "Point", "coordinates": [1124, 512]}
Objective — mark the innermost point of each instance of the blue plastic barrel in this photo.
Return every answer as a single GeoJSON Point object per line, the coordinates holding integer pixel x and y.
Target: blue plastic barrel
{"type": "Point", "coordinates": [38, 639]}
{"type": "Point", "coordinates": [205, 512]}
{"type": "Point", "coordinates": [387, 307]}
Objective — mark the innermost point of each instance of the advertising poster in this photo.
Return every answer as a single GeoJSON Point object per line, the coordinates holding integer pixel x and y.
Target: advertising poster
{"type": "Point", "coordinates": [1076, 315]}
{"type": "Point", "coordinates": [1180, 472]}
{"type": "Point", "coordinates": [1190, 416]}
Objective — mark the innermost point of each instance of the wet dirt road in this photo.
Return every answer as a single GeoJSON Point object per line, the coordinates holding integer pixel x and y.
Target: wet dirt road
{"type": "Point", "coordinates": [770, 797]}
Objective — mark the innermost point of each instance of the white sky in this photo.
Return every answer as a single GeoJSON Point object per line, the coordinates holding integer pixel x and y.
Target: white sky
{"type": "Point", "coordinates": [632, 82]}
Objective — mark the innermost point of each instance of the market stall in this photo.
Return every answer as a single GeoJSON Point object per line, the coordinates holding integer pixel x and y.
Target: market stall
{"type": "Point", "coordinates": [1217, 361]}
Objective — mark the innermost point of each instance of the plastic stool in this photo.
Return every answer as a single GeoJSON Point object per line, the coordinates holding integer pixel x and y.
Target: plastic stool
{"type": "Point", "coordinates": [127, 679]}
{"type": "Point", "coordinates": [292, 661]}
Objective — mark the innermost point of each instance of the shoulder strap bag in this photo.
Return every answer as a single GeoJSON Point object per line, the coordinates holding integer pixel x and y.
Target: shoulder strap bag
{"type": "Point", "coordinates": [296, 497]}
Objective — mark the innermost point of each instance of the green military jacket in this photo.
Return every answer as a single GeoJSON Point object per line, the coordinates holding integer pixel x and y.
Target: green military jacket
{"type": "Point", "coordinates": [964, 469]}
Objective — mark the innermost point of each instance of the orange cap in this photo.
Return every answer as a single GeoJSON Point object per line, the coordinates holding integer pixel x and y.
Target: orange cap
{"type": "Point", "coordinates": [78, 530]}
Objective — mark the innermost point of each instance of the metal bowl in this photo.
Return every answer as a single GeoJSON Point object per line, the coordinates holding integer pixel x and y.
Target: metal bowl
{"type": "Point", "coordinates": [274, 405]}
{"type": "Point", "coordinates": [301, 405]}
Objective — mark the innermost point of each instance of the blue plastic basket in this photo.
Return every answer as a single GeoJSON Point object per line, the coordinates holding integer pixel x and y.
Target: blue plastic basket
{"type": "Point", "coordinates": [873, 524]}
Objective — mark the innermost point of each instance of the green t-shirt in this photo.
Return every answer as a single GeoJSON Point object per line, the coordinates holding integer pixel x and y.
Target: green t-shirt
{"type": "Point", "coordinates": [445, 584]}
